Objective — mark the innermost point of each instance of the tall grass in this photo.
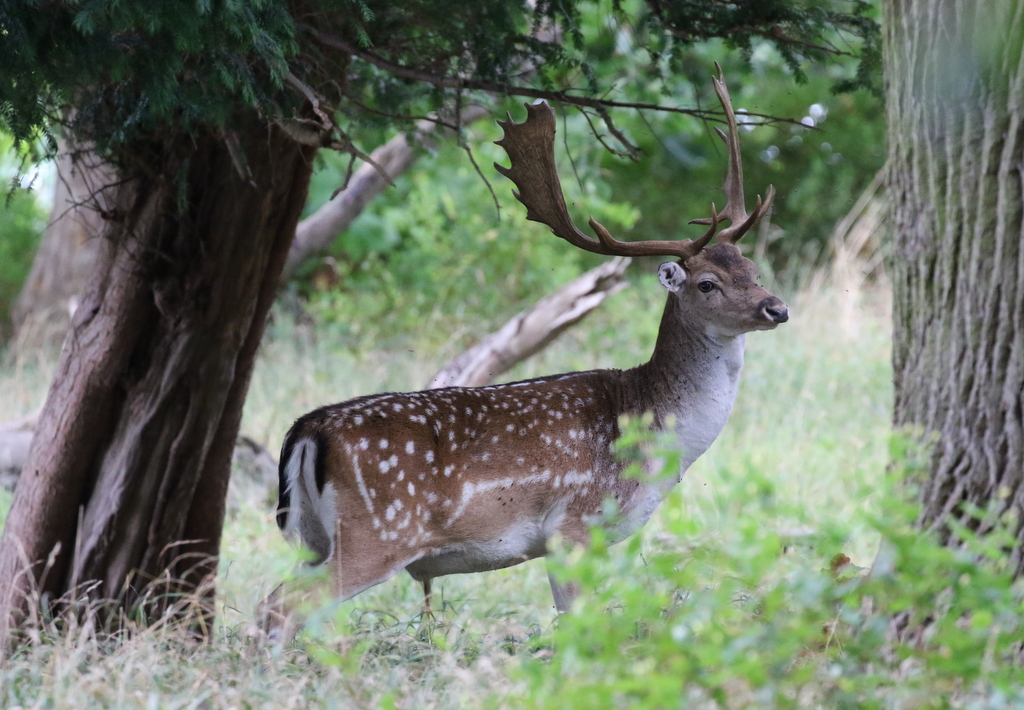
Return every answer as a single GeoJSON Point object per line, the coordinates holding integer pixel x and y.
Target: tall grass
{"type": "Point", "coordinates": [812, 418]}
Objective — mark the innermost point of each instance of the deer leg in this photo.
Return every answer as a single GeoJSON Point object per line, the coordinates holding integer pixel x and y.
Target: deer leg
{"type": "Point", "coordinates": [274, 618]}
{"type": "Point", "coordinates": [426, 598]}
{"type": "Point", "coordinates": [353, 573]}
{"type": "Point", "coordinates": [564, 594]}
{"type": "Point", "coordinates": [356, 571]}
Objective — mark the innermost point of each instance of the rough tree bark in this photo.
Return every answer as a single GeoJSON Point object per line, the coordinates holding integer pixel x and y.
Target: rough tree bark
{"type": "Point", "coordinates": [133, 447]}
{"type": "Point", "coordinates": [955, 98]}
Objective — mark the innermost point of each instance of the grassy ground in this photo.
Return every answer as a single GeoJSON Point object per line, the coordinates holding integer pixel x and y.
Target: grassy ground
{"type": "Point", "coordinates": [812, 417]}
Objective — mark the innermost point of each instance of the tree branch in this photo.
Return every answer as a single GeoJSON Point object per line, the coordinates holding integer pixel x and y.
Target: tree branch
{"type": "Point", "coordinates": [315, 233]}
{"type": "Point", "coordinates": [498, 88]}
{"type": "Point", "coordinates": [533, 329]}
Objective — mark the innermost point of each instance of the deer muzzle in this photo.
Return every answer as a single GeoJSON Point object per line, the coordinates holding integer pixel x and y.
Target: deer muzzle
{"type": "Point", "coordinates": [774, 310]}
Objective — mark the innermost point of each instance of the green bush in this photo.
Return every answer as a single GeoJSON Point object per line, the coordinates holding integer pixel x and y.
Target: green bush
{"type": "Point", "coordinates": [743, 615]}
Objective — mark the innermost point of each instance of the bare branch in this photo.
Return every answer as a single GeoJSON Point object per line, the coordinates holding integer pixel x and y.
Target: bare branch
{"type": "Point", "coordinates": [345, 145]}
{"type": "Point", "coordinates": [632, 149]}
{"type": "Point", "coordinates": [600, 138]}
{"type": "Point", "coordinates": [533, 329]}
{"type": "Point", "coordinates": [469, 152]}
{"type": "Point", "coordinates": [403, 116]}
{"type": "Point", "coordinates": [315, 233]}
{"type": "Point", "coordinates": [348, 176]}
{"type": "Point", "coordinates": [498, 88]}
{"type": "Point", "coordinates": [326, 122]}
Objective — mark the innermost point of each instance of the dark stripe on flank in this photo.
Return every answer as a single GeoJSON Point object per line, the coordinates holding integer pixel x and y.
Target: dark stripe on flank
{"type": "Point", "coordinates": [321, 459]}
{"type": "Point", "coordinates": [283, 494]}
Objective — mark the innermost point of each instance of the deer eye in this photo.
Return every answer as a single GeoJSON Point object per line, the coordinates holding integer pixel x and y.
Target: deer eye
{"type": "Point", "coordinates": [705, 286]}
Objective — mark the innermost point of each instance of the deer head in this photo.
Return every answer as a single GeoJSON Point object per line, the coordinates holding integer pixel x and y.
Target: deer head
{"type": "Point", "coordinates": [713, 285]}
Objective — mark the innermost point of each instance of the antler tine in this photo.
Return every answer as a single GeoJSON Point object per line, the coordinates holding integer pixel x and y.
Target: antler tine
{"type": "Point", "coordinates": [695, 246]}
{"type": "Point", "coordinates": [735, 207]}
{"type": "Point", "coordinates": [531, 148]}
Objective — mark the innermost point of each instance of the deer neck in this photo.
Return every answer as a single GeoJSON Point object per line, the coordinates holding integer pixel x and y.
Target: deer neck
{"type": "Point", "coordinates": [690, 382]}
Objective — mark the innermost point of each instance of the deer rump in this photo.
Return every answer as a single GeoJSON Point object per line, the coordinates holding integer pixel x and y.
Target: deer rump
{"type": "Point", "coordinates": [460, 479]}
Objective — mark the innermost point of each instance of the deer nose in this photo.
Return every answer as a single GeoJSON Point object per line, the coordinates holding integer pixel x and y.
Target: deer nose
{"type": "Point", "coordinates": [775, 310]}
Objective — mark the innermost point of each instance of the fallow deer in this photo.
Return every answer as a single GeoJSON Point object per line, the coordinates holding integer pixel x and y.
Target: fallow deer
{"type": "Point", "coordinates": [472, 479]}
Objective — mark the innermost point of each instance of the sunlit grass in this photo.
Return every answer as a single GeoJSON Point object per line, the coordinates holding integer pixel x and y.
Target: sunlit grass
{"type": "Point", "coordinates": [812, 415]}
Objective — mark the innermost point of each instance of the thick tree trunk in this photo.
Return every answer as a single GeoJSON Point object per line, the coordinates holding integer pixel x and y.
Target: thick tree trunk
{"type": "Point", "coordinates": [133, 447]}
{"type": "Point", "coordinates": [955, 96]}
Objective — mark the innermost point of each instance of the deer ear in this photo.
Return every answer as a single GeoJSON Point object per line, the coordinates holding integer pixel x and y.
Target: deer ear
{"type": "Point", "coordinates": [672, 276]}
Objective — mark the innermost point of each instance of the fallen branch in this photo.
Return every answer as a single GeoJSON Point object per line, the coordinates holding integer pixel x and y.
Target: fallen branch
{"type": "Point", "coordinates": [314, 235]}
{"type": "Point", "coordinates": [533, 329]}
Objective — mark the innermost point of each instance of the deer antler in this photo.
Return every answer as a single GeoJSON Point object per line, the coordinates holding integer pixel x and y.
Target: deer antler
{"type": "Point", "coordinates": [531, 148]}
{"type": "Point", "coordinates": [735, 208]}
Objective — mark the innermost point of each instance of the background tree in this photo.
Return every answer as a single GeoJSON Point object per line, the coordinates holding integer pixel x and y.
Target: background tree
{"type": "Point", "coordinates": [21, 220]}
{"type": "Point", "coordinates": [211, 120]}
{"type": "Point", "coordinates": [67, 251]}
{"type": "Point", "coordinates": [955, 101]}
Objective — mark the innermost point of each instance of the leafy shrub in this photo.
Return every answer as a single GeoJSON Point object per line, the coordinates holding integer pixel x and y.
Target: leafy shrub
{"type": "Point", "coordinates": [743, 616]}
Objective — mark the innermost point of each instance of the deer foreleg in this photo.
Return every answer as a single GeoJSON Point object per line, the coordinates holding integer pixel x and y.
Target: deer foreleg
{"type": "Point", "coordinates": [564, 594]}
{"type": "Point", "coordinates": [427, 612]}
